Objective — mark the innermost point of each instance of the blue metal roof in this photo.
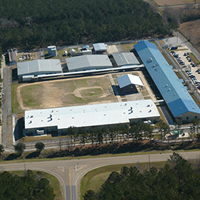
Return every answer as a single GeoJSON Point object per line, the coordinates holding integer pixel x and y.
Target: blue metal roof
{"type": "Point", "coordinates": [170, 86]}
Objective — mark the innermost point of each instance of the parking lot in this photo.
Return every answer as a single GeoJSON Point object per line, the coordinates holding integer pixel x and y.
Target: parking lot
{"type": "Point", "coordinates": [182, 56]}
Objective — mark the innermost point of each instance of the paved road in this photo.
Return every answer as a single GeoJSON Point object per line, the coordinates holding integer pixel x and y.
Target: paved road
{"type": "Point", "coordinates": [178, 6]}
{"type": "Point", "coordinates": [70, 172]}
{"type": "Point", "coordinates": [6, 107]}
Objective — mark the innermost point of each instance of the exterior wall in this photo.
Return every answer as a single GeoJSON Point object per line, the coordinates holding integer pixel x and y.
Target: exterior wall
{"type": "Point", "coordinates": [88, 127]}
{"type": "Point", "coordinates": [129, 89]}
{"type": "Point", "coordinates": [38, 73]}
{"type": "Point", "coordinates": [46, 130]}
{"type": "Point", "coordinates": [152, 119]}
{"type": "Point", "coordinates": [188, 117]}
{"type": "Point", "coordinates": [88, 68]}
{"type": "Point", "coordinates": [99, 52]}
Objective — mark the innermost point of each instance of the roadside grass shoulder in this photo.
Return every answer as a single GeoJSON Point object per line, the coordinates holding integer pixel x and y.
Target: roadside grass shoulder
{"type": "Point", "coordinates": [194, 59]}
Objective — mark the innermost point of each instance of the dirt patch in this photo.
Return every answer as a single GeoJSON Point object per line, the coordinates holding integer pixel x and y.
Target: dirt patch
{"type": "Point", "coordinates": [61, 93]}
{"type": "Point", "coordinates": [191, 31]}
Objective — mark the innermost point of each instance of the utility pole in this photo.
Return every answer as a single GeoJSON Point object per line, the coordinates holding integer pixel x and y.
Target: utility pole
{"type": "Point", "coordinates": [149, 162]}
{"type": "Point", "coordinates": [25, 167]}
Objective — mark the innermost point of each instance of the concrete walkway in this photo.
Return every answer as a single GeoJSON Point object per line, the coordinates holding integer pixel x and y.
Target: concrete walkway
{"type": "Point", "coordinates": [116, 92]}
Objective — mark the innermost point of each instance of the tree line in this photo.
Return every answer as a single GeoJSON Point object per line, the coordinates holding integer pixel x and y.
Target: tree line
{"type": "Point", "coordinates": [176, 180]}
{"type": "Point", "coordinates": [32, 185]}
{"type": "Point", "coordinates": [28, 24]}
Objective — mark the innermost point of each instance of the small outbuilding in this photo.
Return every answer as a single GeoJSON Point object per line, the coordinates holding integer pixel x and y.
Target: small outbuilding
{"type": "Point", "coordinates": [128, 82]}
{"type": "Point", "coordinates": [37, 67]}
{"type": "Point", "coordinates": [88, 62]}
{"type": "Point", "coordinates": [99, 48]}
{"type": "Point", "coordinates": [125, 59]}
{"type": "Point", "coordinates": [52, 50]}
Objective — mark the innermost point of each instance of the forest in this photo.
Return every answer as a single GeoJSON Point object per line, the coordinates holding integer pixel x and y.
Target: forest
{"type": "Point", "coordinates": [29, 24]}
{"type": "Point", "coordinates": [176, 180]}
{"type": "Point", "coordinates": [30, 186]}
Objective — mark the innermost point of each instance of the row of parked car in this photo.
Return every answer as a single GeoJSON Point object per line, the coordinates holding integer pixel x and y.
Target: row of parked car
{"type": "Point", "coordinates": [189, 59]}
{"type": "Point", "coordinates": [193, 78]}
{"type": "Point", "coordinates": [176, 55]}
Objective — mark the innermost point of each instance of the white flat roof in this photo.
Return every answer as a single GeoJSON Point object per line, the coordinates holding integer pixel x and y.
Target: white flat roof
{"type": "Point", "coordinates": [129, 79]}
{"type": "Point", "coordinates": [99, 47]}
{"type": "Point", "coordinates": [90, 115]}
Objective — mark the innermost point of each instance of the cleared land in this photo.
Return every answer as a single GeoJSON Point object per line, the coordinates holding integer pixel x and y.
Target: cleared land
{"type": "Point", "coordinates": [61, 93]}
{"type": "Point", "coordinates": [176, 2]}
{"type": "Point", "coordinates": [191, 31]}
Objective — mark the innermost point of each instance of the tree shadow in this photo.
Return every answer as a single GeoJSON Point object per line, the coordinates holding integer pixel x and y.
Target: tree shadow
{"type": "Point", "coordinates": [12, 156]}
{"type": "Point", "coordinates": [34, 154]}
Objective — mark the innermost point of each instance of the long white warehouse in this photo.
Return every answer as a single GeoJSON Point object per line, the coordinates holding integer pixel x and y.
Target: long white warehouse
{"type": "Point", "coordinates": [59, 119]}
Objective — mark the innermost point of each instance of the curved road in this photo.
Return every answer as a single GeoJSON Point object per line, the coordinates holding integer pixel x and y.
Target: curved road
{"type": "Point", "coordinates": [70, 172]}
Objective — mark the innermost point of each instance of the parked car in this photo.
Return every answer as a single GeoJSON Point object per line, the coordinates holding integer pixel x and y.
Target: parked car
{"type": "Point", "coordinates": [198, 70]}
{"type": "Point", "coordinates": [185, 54]}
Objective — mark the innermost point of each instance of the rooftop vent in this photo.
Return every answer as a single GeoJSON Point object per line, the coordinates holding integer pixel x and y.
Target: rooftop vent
{"type": "Point", "coordinates": [30, 122]}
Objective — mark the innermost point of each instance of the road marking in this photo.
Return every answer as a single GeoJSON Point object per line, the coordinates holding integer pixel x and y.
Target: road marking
{"type": "Point", "coordinates": [78, 167]}
{"type": "Point", "coordinates": [70, 188]}
{"type": "Point", "coordinates": [61, 168]}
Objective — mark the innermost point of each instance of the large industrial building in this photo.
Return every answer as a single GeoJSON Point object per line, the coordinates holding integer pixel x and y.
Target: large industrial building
{"type": "Point", "coordinates": [128, 82]}
{"type": "Point", "coordinates": [37, 67]}
{"type": "Point", "coordinates": [59, 119]}
{"type": "Point", "coordinates": [125, 59]}
{"type": "Point", "coordinates": [88, 62]}
{"type": "Point", "coordinates": [176, 96]}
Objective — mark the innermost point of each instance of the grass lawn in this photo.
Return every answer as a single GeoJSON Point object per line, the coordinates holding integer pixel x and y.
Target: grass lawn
{"type": "Point", "coordinates": [194, 59]}
{"type": "Point", "coordinates": [128, 47]}
{"type": "Point", "coordinates": [94, 179]}
{"type": "Point", "coordinates": [53, 182]}
{"type": "Point", "coordinates": [15, 105]}
{"type": "Point", "coordinates": [31, 95]}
